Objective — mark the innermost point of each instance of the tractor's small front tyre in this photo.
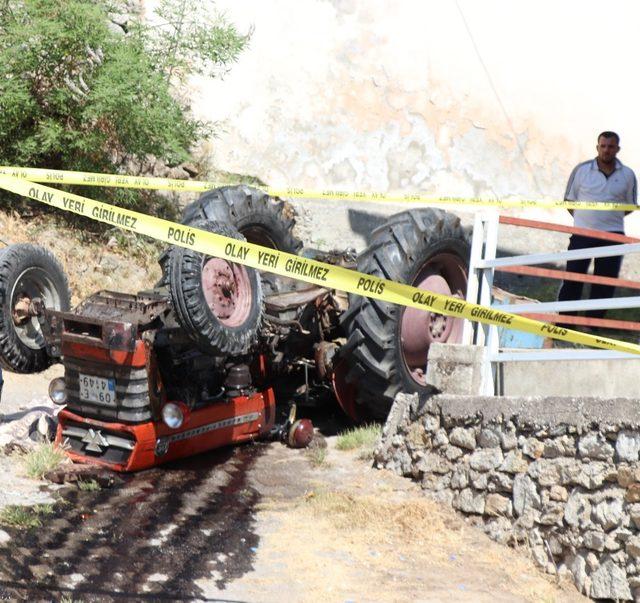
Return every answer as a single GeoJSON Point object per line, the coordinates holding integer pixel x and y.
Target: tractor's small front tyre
{"type": "Point", "coordinates": [387, 345]}
{"type": "Point", "coordinates": [259, 217]}
{"type": "Point", "coordinates": [217, 302]}
{"type": "Point", "coordinates": [28, 272]}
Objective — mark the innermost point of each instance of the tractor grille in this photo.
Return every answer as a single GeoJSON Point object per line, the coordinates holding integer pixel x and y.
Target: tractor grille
{"type": "Point", "coordinates": [98, 443]}
{"type": "Point", "coordinates": [131, 404]}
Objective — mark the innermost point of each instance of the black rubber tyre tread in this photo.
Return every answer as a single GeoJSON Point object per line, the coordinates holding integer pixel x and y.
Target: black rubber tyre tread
{"type": "Point", "coordinates": [15, 356]}
{"type": "Point", "coordinates": [397, 251]}
{"type": "Point", "coordinates": [184, 280]}
{"type": "Point", "coordinates": [245, 208]}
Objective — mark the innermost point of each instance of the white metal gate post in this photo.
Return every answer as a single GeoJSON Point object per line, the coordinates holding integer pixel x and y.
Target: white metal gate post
{"type": "Point", "coordinates": [483, 247]}
{"type": "Point", "coordinates": [475, 274]}
{"type": "Point", "coordinates": [483, 263]}
{"type": "Point", "coordinates": [491, 341]}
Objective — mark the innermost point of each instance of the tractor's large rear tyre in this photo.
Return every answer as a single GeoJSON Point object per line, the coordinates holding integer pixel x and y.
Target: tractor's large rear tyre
{"type": "Point", "coordinates": [217, 302]}
{"type": "Point", "coordinates": [28, 272]}
{"type": "Point", "coordinates": [387, 345]}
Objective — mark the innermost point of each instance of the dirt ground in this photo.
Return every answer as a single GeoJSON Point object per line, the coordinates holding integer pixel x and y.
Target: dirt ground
{"type": "Point", "coordinates": [255, 523]}
{"type": "Point", "coordinates": [359, 534]}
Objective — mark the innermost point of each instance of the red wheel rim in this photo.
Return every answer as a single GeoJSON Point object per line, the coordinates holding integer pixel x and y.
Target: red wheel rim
{"type": "Point", "coordinates": [444, 273]}
{"type": "Point", "coordinates": [227, 291]}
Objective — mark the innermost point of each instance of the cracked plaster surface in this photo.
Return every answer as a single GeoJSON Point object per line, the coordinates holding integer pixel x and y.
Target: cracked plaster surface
{"type": "Point", "coordinates": [392, 96]}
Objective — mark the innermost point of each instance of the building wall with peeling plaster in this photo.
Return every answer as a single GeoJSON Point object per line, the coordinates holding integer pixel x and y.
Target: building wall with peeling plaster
{"type": "Point", "coordinates": [393, 95]}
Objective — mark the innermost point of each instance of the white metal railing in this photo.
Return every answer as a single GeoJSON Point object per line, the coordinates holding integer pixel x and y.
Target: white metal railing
{"type": "Point", "coordinates": [581, 304]}
{"type": "Point", "coordinates": [482, 263]}
{"type": "Point", "coordinates": [575, 254]}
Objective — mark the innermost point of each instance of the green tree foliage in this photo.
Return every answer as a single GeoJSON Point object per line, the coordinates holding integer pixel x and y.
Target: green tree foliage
{"type": "Point", "coordinates": [75, 94]}
{"type": "Point", "coordinates": [182, 39]}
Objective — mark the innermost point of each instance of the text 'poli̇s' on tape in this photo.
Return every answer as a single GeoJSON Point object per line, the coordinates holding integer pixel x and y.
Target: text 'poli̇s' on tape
{"type": "Point", "coordinates": [290, 265]}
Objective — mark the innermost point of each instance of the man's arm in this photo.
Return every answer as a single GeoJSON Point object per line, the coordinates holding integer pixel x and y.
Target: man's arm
{"type": "Point", "coordinates": [632, 192]}
{"type": "Point", "coordinates": [571, 193]}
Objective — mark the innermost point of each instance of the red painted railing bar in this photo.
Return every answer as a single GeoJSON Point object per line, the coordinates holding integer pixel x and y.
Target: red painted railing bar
{"type": "Point", "coordinates": [586, 232]}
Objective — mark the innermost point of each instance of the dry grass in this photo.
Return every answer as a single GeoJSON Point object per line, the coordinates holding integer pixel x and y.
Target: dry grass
{"type": "Point", "coordinates": [18, 516]}
{"type": "Point", "coordinates": [413, 522]}
{"type": "Point", "coordinates": [358, 437]}
{"type": "Point", "coordinates": [118, 261]}
{"type": "Point", "coordinates": [317, 456]}
{"type": "Point", "coordinates": [42, 459]}
{"type": "Point", "coordinates": [365, 542]}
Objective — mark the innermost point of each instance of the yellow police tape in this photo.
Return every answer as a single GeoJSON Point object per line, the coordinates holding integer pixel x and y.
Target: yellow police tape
{"type": "Point", "coordinates": [172, 184]}
{"type": "Point", "coordinates": [286, 264]}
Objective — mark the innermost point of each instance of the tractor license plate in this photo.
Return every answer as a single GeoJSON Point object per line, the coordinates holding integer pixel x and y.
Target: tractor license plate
{"type": "Point", "coordinates": [97, 389]}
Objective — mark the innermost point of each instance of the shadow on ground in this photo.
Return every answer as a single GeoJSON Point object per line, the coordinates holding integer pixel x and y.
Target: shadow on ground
{"type": "Point", "coordinates": [150, 539]}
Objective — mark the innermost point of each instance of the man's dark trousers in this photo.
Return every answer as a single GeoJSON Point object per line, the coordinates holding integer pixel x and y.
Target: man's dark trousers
{"type": "Point", "coordinates": [608, 266]}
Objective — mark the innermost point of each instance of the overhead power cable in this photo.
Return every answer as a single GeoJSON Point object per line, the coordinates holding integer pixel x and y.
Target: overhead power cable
{"type": "Point", "coordinates": [497, 95]}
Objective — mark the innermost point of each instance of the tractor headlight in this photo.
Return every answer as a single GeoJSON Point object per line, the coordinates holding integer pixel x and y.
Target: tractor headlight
{"type": "Point", "coordinates": [172, 415]}
{"type": "Point", "coordinates": [58, 391]}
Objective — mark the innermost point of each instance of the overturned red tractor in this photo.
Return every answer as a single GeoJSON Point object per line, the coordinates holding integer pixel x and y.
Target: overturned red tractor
{"type": "Point", "coordinates": [217, 351]}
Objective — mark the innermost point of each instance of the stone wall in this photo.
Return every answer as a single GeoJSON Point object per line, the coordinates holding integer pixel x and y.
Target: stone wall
{"type": "Point", "coordinates": [560, 475]}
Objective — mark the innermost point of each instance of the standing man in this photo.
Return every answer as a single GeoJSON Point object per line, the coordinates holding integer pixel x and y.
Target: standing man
{"type": "Point", "coordinates": [606, 180]}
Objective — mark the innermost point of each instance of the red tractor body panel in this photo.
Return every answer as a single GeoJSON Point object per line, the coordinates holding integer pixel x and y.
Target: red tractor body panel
{"type": "Point", "coordinates": [239, 420]}
{"type": "Point", "coordinates": [118, 381]}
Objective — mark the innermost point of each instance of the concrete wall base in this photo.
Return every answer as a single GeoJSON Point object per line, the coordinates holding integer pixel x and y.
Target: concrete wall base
{"type": "Point", "coordinates": [458, 369]}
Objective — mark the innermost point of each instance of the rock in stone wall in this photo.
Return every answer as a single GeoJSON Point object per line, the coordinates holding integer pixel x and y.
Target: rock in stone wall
{"type": "Point", "coordinates": [560, 475]}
